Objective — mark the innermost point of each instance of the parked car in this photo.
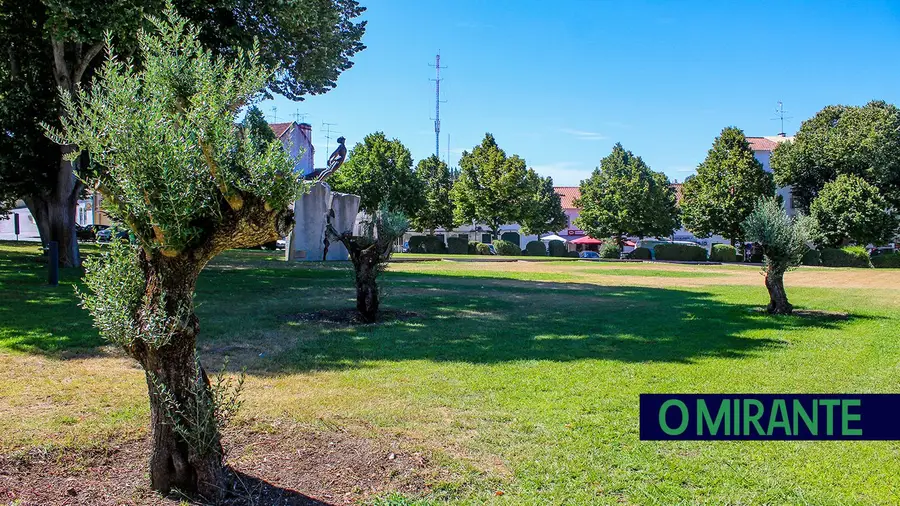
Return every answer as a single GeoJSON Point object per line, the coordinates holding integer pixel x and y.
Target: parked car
{"type": "Point", "coordinates": [589, 254]}
{"type": "Point", "coordinates": [280, 244]}
{"type": "Point", "coordinates": [106, 235]}
{"type": "Point", "coordinates": [88, 232]}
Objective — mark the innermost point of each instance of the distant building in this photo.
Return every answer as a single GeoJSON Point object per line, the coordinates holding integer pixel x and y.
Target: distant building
{"type": "Point", "coordinates": [297, 139]}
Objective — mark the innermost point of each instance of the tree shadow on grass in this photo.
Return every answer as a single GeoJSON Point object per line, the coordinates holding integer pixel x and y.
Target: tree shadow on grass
{"type": "Point", "coordinates": [491, 321]}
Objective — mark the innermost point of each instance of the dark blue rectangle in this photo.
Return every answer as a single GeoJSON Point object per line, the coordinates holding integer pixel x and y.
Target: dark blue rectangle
{"type": "Point", "coordinates": [783, 417]}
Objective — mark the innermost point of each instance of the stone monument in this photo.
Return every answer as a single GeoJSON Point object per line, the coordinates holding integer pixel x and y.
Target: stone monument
{"type": "Point", "coordinates": [308, 241]}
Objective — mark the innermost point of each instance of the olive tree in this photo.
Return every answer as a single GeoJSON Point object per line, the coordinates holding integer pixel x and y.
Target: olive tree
{"type": "Point", "coordinates": [784, 241]}
{"type": "Point", "coordinates": [173, 165]}
{"type": "Point", "coordinates": [369, 253]}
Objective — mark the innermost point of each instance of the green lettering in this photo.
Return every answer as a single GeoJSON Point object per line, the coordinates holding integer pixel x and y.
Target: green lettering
{"type": "Point", "coordinates": [737, 417]}
{"type": "Point", "coordinates": [703, 416]}
{"type": "Point", "coordinates": [829, 414]}
{"type": "Point", "coordinates": [779, 407]}
{"type": "Point", "coordinates": [811, 423]}
{"type": "Point", "coordinates": [752, 418]}
{"type": "Point", "coordinates": [662, 417]}
{"type": "Point", "coordinates": [846, 417]}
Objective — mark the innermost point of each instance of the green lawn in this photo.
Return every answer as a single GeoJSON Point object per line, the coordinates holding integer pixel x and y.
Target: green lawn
{"type": "Point", "coordinates": [520, 377]}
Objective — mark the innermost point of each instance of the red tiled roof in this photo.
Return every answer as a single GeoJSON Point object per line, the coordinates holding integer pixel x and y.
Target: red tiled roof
{"type": "Point", "coordinates": [568, 194]}
{"type": "Point", "coordinates": [761, 144]}
{"type": "Point", "coordinates": [280, 128]}
{"type": "Point", "coordinates": [677, 188]}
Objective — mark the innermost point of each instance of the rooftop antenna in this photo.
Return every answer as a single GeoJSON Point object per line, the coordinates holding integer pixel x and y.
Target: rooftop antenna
{"type": "Point", "coordinates": [780, 116]}
{"type": "Point", "coordinates": [437, 103]}
{"type": "Point", "coordinates": [299, 116]}
{"type": "Point", "coordinates": [274, 117]}
{"type": "Point", "coordinates": [328, 132]}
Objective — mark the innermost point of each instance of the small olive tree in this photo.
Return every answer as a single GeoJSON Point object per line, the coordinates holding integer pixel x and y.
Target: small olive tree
{"type": "Point", "coordinates": [369, 253]}
{"type": "Point", "coordinates": [174, 166]}
{"type": "Point", "coordinates": [784, 241]}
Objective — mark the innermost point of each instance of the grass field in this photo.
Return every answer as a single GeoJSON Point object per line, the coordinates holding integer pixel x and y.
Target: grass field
{"type": "Point", "coordinates": [518, 381]}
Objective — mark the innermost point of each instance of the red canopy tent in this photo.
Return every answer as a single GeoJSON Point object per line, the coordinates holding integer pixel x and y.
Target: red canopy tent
{"type": "Point", "coordinates": [587, 240]}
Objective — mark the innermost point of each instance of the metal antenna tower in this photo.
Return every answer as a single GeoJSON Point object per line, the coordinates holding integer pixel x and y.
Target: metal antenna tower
{"type": "Point", "coordinates": [779, 112]}
{"type": "Point", "coordinates": [274, 117]}
{"type": "Point", "coordinates": [437, 103]}
{"type": "Point", "coordinates": [328, 132]}
{"type": "Point", "coordinates": [299, 116]}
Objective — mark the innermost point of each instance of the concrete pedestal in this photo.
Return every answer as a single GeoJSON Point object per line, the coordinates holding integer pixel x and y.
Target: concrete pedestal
{"type": "Point", "coordinates": [307, 241]}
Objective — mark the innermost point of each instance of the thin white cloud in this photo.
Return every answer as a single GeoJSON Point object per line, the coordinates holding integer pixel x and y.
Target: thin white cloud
{"type": "Point", "coordinates": [584, 135]}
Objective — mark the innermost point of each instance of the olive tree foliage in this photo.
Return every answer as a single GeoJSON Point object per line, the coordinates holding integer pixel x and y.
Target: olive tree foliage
{"type": "Point", "coordinates": [624, 197]}
{"type": "Point", "coordinates": [436, 210]}
{"type": "Point", "coordinates": [862, 141]}
{"type": "Point", "coordinates": [784, 241]}
{"type": "Point", "coordinates": [725, 189]}
{"type": "Point", "coordinates": [543, 212]}
{"type": "Point", "coordinates": [492, 188]}
{"type": "Point", "coordinates": [172, 163]}
{"type": "Point", "coordinates": [849, 209]}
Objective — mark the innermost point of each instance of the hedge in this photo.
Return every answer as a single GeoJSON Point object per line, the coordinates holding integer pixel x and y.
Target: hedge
{"type": "Point", "coordinates": [482, 248]}
{"type": "Point", "coordinates": [536, 249]}
{"type": "Point", "coordinates": [723, 253]}
{"type": "Point", "coordinates": [640, 254]}
{"type": "Point", "coordinates": [609, 249]}
{"type": "Point", "coordinates": [558, 249]}
{"type": "Point", "coordinates": [811, 257]}
{"type": "Point", "coordinates": [886, 261]}
{"type": "Point", "coordinates": [572, 254]}
{"type": "Point", "coordinates": [681, 252]}
{"type": "Point", "coordinates": [457, 245]}
{"type": "Point", "coordinates": [851, 256]}
{"type": "Point", "coordinates": [473, 247]}
{"type": "Point", "coordinates": [415, 244]}
{"type": "Point", "coordinates": [506, 248]}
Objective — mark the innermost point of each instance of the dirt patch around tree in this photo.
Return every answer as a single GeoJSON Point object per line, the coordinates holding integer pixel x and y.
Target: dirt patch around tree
{"type": "Point", "coordinates": [349, 317]}
{"type": "Point", "coordinates": [284, 468]}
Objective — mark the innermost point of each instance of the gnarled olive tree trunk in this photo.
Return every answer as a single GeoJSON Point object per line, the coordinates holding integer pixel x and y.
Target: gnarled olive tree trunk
{"type": "Point", "coordinates": [179, 390]}
{"type": "Point", "coordinates": [366, 262]}
{"type": "Point", "coordinates": [778, 301]}
{"type": "Point", "coordinates": [54, 212]}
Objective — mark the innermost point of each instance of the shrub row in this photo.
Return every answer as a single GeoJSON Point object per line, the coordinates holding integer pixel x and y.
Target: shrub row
{"type": "Point", "coordinates": [506, 248]}
{"type": "Point", "coordinates": [457, 246]}
{"type": "Point", "coordinates": [682, 252]}
{"type": "Point", "coordinates": [482, 248]}
{"type": "Point", "coordinates": [536, 249]}
{"type": "Point", "coordinates": [558, 249]}
{"type": "Point", "coordinates": [851, 256]}
{"type": "Point", "coordinates": [887, 261]}
{"type": "Point", "coordinates": [723, 253]}
{"type": "Point", "coordinates": [811, 257]}
{"type": "Point", "coordinates": [609, 249]}
{"type": "Point", "coordinates": [640, 254]}
{"type": "Point", "coordinates": [427, 244]}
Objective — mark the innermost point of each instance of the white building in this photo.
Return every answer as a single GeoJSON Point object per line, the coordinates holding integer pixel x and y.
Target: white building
{"type": "Point", "coordinates": [297, 140]}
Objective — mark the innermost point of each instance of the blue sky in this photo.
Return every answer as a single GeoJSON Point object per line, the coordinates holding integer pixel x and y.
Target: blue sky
{"type": "Point", "coordinates": [560, 83]}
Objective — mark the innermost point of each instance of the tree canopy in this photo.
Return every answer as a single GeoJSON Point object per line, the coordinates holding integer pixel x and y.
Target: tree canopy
{"type": "Point", "coordinates": [624, 197]}
{"type": "Point", "coordinates": [492, 188]}
{"type": "Point", "coordinates": [436, 210]}
{"type": "Point", "coordinates": [849, 209]}
{"type": "Point", "coordinates": [380, 172]}
{"type": "Point", "coordinates": [543, 212]}
{"type": "Point", "coordinates": [52, 45]}
{"type": "Point", "coordinates": [725, 189]}
{"type": "Point", "coordinates": [861, 141]}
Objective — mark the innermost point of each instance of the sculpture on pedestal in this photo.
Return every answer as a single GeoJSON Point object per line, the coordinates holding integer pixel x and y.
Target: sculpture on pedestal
{"type": "Point", "coordinates": [309, 241]}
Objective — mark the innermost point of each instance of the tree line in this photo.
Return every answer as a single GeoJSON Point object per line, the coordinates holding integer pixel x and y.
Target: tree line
{"type": "Point", "coordinates": [490, 187]}
{"type": "Point", "coordinates": [842, 168]}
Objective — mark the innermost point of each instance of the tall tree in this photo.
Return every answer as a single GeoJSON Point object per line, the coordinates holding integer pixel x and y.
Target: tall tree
{"type": "Point", "coordinates": [543, 212]}
{"type": "Point", "coordinates": [491, 188]}
{"type": "Point", "coordinates": [862, 141]}
{"type": "Point", "coordinates": [380, 172]}
{"type": "Point", "coordinates": [784, 241]}
{"type": "Point", "coordinates": [727, 185]}
{"type": "Point", "coordinates": [849, 209]}
{"type": "Point", "coordinates": [56, 45]}
{"type": "Point", "coordinates": [624, 197]}
{"type": "Point", "coordinates": [173, 165]}
{"type": "Point", "coordinates": [437, 206]}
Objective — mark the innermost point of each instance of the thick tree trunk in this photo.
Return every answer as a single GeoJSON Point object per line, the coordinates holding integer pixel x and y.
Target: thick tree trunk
{"type": "Point", "coordinates": [174, 463]}
{"type": "Point", "coordinates": [365, 264]}
{"type": "Point", "coordinates": [54, 213]}
{"type": "Point", "coordinates": [778, 301]}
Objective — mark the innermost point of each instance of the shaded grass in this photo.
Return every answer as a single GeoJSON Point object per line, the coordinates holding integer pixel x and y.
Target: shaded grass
{"type": "Point", "coordinates": [522, 382]}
